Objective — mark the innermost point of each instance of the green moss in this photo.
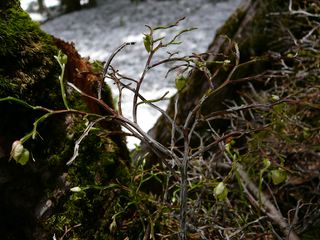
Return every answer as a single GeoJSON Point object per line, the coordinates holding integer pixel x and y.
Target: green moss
{"type": "Point", "coordinates": [29, 72]}
{"type": "Point", "coordinates": [26, 54]}
{"type": "Point", "coordinates": [97, 164]}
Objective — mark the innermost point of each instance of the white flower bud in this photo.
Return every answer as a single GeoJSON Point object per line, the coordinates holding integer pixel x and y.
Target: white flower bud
{"type": "Point", "coordinates": [76, 189]}
{"type": "Point", "coordinates": [19, 153]}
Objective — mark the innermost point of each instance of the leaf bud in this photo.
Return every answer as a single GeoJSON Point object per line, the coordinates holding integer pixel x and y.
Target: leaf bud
{"type": "Point", "coordinates": [19, 153]}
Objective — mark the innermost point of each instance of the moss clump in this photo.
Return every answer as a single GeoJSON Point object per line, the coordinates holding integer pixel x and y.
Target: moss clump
{"type": "Point", "coordinates": [93, 171]}
{"type": "Point", "coordinates": [27, 59]}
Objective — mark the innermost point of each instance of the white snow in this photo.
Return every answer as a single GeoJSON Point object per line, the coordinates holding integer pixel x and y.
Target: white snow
{"type": "Point", "coordinates": [98, 31]}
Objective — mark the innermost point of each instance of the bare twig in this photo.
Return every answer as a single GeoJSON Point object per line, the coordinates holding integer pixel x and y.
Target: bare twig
{"type": "Point", "coordinates": [80, 139]}
{"type": "Point", "coordinates": [67, 230]}
{"type": "Point", "coordinates": [300, 11]}
{"type": "Point", "coordinates": [267, 206]}
{"type": "Point", "coordinates": [114, 53]}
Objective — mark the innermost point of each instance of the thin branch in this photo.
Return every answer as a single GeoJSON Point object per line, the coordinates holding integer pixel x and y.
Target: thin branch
{"type": "Point", "coordinates": [114, 53]}
{"type": "Point", "coordinates": [267, 205]}
{"type": "Point", "coordinates": [80, 139]}
{"type": "Point", "coordinates": [234, 135]}
{"type": "Point", "coordinates": [184, 187]}
{"type": "Point", "coordinates": [168, 26]}
{"type": "Point", "coordinates": [99, 101]}
{"type": "Point", "coordinates": [300, 11]}
{"type": "Point", "coordinates": [186, 59]}
{"type": "Point", "coordinates": [164, 113]}
{"type": "Point", "coordinates": [173, 123]}
{"type": "Point", "coordinates": [138, 86]}
{"type": "Point", "coordinates": [23, 103]}
{"type": "Point", "coordinates": [154, 100]}
{"type": "Point", "coordinates": [67, 230]}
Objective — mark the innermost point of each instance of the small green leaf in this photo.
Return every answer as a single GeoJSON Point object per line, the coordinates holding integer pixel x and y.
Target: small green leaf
{"type": "Point", "coordinates": [24, 158]}
{"type": "Point", "coordinates": [181, 82]}
{"type": "Point", "coordinates": [220, 191]}
{"type": "Point", "coordinates": [266, 163]}
{"type": "Point", "coordinates": [200, 64]}
{"type": "Point", "coordinates": [147, 41]}
{"type": "Point", "coordinates": [63, 58]}
{"type": "Point", "coordinates": [228, 147]}
{"type": "Point", "coordinates": [278, 176]}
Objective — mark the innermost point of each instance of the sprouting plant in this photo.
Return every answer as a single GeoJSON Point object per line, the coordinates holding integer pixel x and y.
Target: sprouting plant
{"type": "Point", "coordinates": [266, 165]}
{"type": "Point", "coordinates": [62, 60]}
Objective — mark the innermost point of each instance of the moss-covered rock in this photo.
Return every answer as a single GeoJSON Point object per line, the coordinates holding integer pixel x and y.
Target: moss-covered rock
{"type": "Point", "coordinates": [26, 58]}
{"type": "Point", "coordinates": [36, 201]}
